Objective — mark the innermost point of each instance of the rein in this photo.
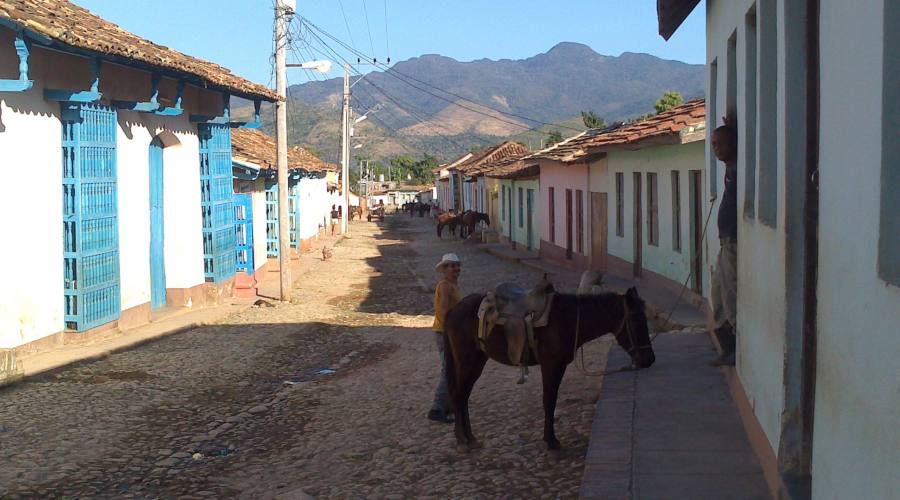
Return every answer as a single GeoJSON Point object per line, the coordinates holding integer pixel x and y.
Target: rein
{"type": "Point", "coordinates": [624, 326]}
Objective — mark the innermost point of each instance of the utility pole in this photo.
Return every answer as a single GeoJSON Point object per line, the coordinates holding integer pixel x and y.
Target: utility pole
{"type": "Point", "coordinates": [345, 151]}
{"type": "Point", "coordinates": [283, 12]}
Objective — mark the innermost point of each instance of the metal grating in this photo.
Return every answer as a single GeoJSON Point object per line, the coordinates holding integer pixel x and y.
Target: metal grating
{"type": "Point", "coordinates": [272, 220]}
{"type": "Point", "coordinates": [243, 232]}
{"type": "Point", "coordinates": [216, 202]}
{"type": "Point", "coordinates": [90, 216]}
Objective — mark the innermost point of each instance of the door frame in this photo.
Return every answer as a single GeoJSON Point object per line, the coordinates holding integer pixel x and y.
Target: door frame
{"type": "Point", "coordinates": [157, 225]}
{"type": "Point", "coordinates": [599, 230]}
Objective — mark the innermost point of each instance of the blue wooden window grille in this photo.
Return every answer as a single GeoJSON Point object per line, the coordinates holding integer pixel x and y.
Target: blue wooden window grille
{"type": "Point", "coordinates": [243, 232]}
{"type": "Point", "coordinates": [216, 202]}
{"type": "Point", "coordinates": [272, 221]}
{"type": "Point", "coordinates": [293, 211]}
{"type": "Point", "coordinates": [90, 216]}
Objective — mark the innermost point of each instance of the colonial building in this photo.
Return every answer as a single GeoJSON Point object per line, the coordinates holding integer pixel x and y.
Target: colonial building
{"type": "Point", "coordinates": [812, 86]}
{"type": "Point", "coordinates": [125, 206]}
{"type": "Point", "coordinates": [470, 173]}
{"type": "Point", "coordinates": [256, 202]}
{"type": "Point", "coordinates": [518, 214]}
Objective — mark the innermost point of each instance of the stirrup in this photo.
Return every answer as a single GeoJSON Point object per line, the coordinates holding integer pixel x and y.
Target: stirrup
{"type": "Point", "coordinates": [523, 375]}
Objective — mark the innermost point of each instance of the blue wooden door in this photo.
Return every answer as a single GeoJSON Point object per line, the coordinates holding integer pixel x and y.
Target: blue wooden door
{"type": "Point", "coordinates": [90, 216]}
{"type": "Point", "coordinates": [243, 231]}
{"type": "Point", "coordinates": [157, 232]}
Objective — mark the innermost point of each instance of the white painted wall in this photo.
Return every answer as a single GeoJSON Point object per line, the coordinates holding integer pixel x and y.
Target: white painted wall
{"type": "Point", "coordinates": [31, 300]}
{"type": "Point", "coordinates": [662, 259]}
{"type": "Point", "coordinates": [856, 446]}
{"type": "Point", "coordinates": [259, 223]}
{"type": "Point", "coordinates": [762, 268]}
{"type": "Point", "coordinates": [315, 206]}
{"type": "Point", "coordinates": [183, 218]}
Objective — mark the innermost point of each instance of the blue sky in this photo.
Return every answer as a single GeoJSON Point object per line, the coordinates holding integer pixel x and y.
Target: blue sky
{"type": "Point", "coordinates": [237, 34]}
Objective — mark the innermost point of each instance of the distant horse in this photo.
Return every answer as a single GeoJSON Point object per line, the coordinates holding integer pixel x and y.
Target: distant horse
{"type": "Point", "coordinates": [470, 220]}
{"type": "Point", "coordinates": [450, 220]}
{"type": "Point", "coordinates": [423, 209]}
{"type": "Point", "coordinates": [573, 320]}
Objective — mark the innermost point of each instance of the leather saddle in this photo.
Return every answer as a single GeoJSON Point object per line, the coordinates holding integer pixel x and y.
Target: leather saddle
{"type": "Point", "coordinates": [519, 311]}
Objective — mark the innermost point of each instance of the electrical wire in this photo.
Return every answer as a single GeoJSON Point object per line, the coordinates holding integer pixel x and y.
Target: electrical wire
{"type": "Point", "coordinates": [387, 40]}
{"type": "Point", "coordinates": [347, 24]}
{"type": "Point", "coordinates": [368, 28]}
{"type": "Point", "coordinates": [407, 78]}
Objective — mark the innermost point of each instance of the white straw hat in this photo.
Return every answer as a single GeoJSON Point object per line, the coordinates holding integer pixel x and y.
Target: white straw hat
{"type": "Point", "coordinates": [448, 258]}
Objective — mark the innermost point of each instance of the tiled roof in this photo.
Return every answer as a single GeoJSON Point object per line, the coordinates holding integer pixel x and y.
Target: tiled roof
{"type": "Point", "coordinates": [668, 127]}
{"type": "Point", "coordinates": [456, 162]}
{"type": "Point", "coordinates": [257, 147]}
{"type": "Point", "coordinates": [481, 161]}
{"type": "Point", "coordinates": [512, 167]}
{"type": "Point", "coordinates": [71, 26]}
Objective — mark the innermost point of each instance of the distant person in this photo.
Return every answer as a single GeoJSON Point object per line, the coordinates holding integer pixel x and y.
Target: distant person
{"type": "Point", "coordinates": [724, 279]}
{"type": "Point", "coordinates": [446, 295]}
{"type": "Point", "coordinates": [335, 216]}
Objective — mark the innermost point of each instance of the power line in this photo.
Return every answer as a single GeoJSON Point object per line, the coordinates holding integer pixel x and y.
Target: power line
{"type": "Point", "coordinates": [387, 41]}
{"type": "Point", "coordinates": [369, 29]}
{"type": "Point", "coordinates": [347, 24]}
{"type": "Point", "coordinates": [406, 79]}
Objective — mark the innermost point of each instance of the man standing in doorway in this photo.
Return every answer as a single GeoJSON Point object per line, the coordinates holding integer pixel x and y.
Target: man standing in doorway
{"type": "Point", "coordinates": [724, 278]}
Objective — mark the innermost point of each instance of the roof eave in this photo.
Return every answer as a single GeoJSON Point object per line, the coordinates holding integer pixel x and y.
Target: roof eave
{"type": "Point", "coordinates": [671, 13]}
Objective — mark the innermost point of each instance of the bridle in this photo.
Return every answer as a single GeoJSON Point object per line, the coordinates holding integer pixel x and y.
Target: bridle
{"type": "Point", "coordinates": [625, 326]}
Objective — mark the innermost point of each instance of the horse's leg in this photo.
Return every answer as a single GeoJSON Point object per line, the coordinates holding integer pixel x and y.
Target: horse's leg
{"type": "Point", "coordinates": [551, 375]}
{"type": "Point", "coordinates": [474, 372]}
{"type": "Point", "coordinates": [465, 370]}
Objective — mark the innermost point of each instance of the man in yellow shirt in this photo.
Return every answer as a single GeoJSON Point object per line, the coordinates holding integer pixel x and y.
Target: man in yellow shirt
{"type": "Point", "coordinates": [446, 295]}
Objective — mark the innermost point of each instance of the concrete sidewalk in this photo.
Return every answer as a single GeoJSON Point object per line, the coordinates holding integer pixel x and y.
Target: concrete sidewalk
{"type": "Point", "coordinates": [670, 431]}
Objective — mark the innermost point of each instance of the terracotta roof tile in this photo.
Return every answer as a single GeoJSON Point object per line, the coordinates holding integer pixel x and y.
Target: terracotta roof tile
{"type": "Point", "coordinates": [512, 167]}
{"type": "Point", "coordinates": [73, 26]}
{"type": "Point", "coordinates": [666, 126]}
{"type": "Point", "coordinates": [481, 160]}
{"type": "Point", "coordinates": [257, 147]}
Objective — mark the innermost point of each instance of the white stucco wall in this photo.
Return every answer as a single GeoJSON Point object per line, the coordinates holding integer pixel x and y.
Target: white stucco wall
{"type": "Point", "coordinates": [761, 249]}
{"type": "Point", "coordinates": [259, 223]}
{"type": "Point", "coordinates": [181, 199]}
{"type": "Point", "coordinates": [856, 446]}
{"type": "Point", "coordinates": [31, 301]}
{"type": "Point", "coordinates": [662, 259]}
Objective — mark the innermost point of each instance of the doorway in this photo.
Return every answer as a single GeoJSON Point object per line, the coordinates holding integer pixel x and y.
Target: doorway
{"type": "Point", "coordinates": [696, 191]}
{"type": "Point", "coordinates": [638, 228]}
{"type": "Point", "coordinates": [157, 227]}
{"type": "Point", "coordinates": [599, 224]}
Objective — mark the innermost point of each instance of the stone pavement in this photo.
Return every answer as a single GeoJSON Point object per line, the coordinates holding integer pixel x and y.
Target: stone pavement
{"type": "Point", "coordinates": [671, 431]}
{"type": "Point", "coordinates": [325, 396]}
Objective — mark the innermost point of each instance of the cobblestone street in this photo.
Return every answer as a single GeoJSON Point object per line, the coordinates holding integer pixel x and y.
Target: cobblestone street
{"type": "Point", "coordinates": [325, 396]}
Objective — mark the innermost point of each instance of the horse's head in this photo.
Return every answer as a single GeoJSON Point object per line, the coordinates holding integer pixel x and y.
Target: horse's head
{"type": "Point", "coordinates": [486, 218]}
{"type": "Point", "coordinates": [634, 334]}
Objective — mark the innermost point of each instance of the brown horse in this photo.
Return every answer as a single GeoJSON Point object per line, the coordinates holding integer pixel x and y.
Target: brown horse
{"type": "Point", "coordinates": [573, 321]}
{"type": "Point", "coordinates": [450, 220]}
{"type": "Point", "coordinates": [470, 220]}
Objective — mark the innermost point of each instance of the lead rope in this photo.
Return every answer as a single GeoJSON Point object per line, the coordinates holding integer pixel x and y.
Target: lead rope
{"type": "Point", "coordinates": [688, 279]}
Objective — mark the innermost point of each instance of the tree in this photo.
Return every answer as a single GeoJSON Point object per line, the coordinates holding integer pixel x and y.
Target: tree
{"type": "Point", "coordinates": [591, 120]}
{"type": "Point", "coordinates": [553, 137]}
{"type": "Point", "coordinates": [669, 100]}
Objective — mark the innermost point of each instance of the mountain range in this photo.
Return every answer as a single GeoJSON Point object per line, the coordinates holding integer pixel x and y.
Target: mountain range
{"type": "Point", "coordinates": [440, 106]}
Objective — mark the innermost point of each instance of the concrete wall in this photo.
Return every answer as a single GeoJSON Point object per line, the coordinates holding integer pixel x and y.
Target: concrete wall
{"type": "Point", "coordinates": [561, 176]}
{"type": "Point", "coordinates": [31, 304]}
{"type": "Point", "coordinates": [520, 234]}
{"type": "Point", "coordinates": [762, 266]}
{"type": "Point", "coordinates": [662, 259]}
{"type": "Point", "coordinates": [856, 446]}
